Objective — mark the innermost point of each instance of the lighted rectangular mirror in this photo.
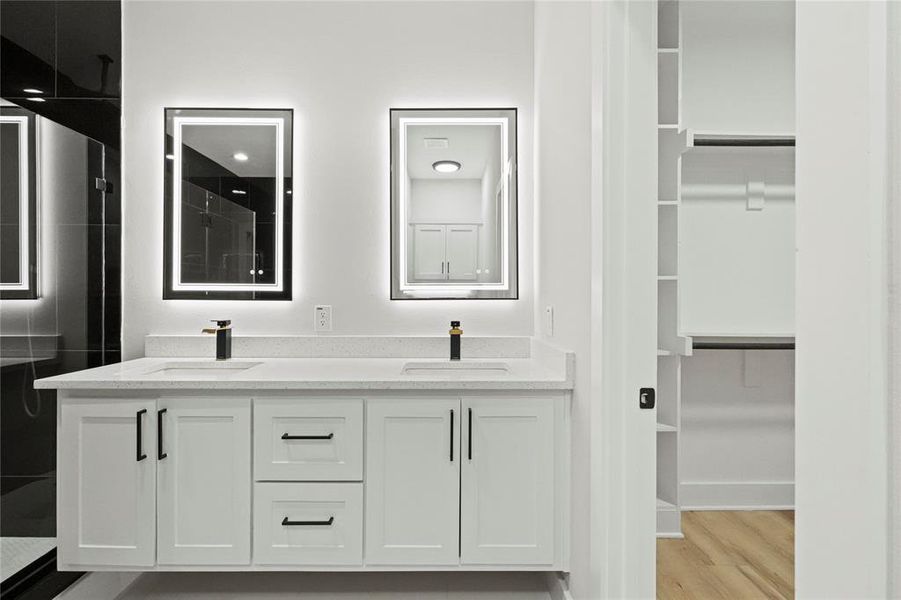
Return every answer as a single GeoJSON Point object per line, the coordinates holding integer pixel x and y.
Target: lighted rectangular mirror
{"type": "Point", "coordinates": [18, 204]}
{"type": "Point", "coordinates": [453, 204]}
{"type": "Point", "coordinates": [228, 197]}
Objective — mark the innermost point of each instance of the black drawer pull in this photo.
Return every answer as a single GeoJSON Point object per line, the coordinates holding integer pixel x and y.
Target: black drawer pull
{"type": "Point", "coordinates": [452, 435]}
{"type": "Point", "coordinates": [160, 455]}
{"type": "Point", "coordinates": [140, 442]}
{"type": "Point", "coordinates": [469, 437]}
{"type": "Point", "coordinates": [285, 436]}
{"type": "Point", "coordinates": [287, 523]}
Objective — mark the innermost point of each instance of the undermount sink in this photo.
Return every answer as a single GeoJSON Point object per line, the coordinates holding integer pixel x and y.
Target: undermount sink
{"type": "Point", "coordinates": [456, 368]}
{"type": "Point", "coordinates": [202, 370]}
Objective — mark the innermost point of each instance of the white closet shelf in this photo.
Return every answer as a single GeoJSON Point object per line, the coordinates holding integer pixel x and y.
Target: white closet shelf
{"type": "Point", "coordinates": [667, 278]}
{"type": "Point", "coordinates": [661, 352]}
{"type": "Point", "coordinates": [668, 50]}
{"type": "Point", "coordinates": [667, 203]}
{"type": "Point", "coordinates": [727, 139]}
{"type": "Point", "coordinates": [664, 428]}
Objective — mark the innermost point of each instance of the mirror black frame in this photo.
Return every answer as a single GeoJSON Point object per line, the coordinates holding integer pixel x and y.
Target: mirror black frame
{"type": "Point", "coordinates": [448, 291]}
{"type": "Point", "coordinates": [31, 291]}
{"type": "Point", "coordinates": [284, 270]}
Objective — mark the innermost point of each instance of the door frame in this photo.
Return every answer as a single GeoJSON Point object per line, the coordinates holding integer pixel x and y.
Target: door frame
{"type": "Point", "coordinates": [623, 336]}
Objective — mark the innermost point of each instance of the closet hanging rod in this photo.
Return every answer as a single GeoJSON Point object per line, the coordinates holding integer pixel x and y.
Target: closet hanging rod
{"type": "Point", "coordinates": [743, 345]}
{"type": "Point", "coordinates": [739, 142]}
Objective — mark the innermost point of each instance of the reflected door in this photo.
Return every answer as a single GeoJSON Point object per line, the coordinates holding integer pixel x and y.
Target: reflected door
{"type": "Point", "coordinates": [462, 252]}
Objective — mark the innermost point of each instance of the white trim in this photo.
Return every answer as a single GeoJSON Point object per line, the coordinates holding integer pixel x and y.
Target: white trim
{"type": "Point", "coordinates": [405, 286]}
{"type": "Point", "coordinates": [737, 495]}
{"type": "Point", "coordinates": [24, 230]}
{"type": "Point", "coordinates": [278, 123]}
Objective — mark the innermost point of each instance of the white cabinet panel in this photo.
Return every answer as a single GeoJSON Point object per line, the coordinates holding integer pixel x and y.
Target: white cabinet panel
{"type": "Point", "coordinates": [412, 482]}
{"type": "Point", "coordinates": [308, 524]}
{"type": "Point", "coordinates": [204, 481]}
{"type": "Point", "coordinates": [106, 491]}
{"type": "Point", "coordinates": [428, 252]}
{"type": "Point", "coordinates": [308, 440]}
{"type": "Point", "coordinates": [508, 481]}
{"type": "Point", "coordinates": [462, 252]}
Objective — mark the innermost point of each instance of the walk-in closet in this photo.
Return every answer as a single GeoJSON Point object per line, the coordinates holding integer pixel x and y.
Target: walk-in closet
{"type": "Point", "coordinates": [726, 256]}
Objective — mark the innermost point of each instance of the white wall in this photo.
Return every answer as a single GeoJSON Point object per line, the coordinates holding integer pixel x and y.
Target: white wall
{"type": "Point", "coordinates": [452, 201]}
{"type": "Point", "coordinates": [841, 459]}
{"type": "Point", "coordinates": [563, 252]}
{"type": "Point", "coordinates": [341, 66]}
{"type": "Point", "coordinates": [737, 440]}
{"type": "Point", "coordinates": [738, 74]}
{"type": "Point", "coordinates": [895, 298]}
{"type": "Point", "coordinates": [62, 242]}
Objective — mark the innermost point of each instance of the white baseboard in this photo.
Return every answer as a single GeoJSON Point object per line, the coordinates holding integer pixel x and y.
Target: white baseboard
{"type": "Point", "coordinates": [99, 586]}
{"type": "Point", "coordinates": [558, 586]}
{"type": "Point", "coordinates": [737, 495]}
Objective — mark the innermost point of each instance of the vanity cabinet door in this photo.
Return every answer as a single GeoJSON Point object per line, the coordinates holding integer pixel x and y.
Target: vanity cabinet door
{"type": "Point", "coordinates": [204, 481]}
{"type": "Point", "coordinates": [412, 481]}
{"type": "Point", "coordinates": [428, 253]}
{"type": "Point", "coordinates": [508, 481]}
{"type": "Point", "coordinates": [462, 252]}
{"type": "Point", "coordinates": [106, 494]}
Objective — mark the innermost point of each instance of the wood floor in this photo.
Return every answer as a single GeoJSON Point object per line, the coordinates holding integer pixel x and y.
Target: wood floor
{"type": "Point", "coordinates": [731, 555]}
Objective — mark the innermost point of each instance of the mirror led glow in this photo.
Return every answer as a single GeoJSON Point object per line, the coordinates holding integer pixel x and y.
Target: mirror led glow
{"type": "Point", "coordinates": [24, 186]}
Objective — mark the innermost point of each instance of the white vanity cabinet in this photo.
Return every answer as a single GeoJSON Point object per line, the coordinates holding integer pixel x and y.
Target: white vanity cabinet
{"type": "Point", "coordinates": [413, 481]}
{"type": "Point", "coordinates": [508, 481]}
{"type": "Point", "coordinates": [203, 481]}
{"type": "Point", "coordinates": [381, 480]}
{"type": "Point", "coordinates": [106, 485]}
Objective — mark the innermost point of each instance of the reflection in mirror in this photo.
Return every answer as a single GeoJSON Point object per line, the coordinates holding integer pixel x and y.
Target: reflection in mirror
{"type": "Point", "coordinates": [228, 209]}
{"type": "Point", "coordinates": [18, 204]}
{"type": "Point", "coordinates": [453, 203]}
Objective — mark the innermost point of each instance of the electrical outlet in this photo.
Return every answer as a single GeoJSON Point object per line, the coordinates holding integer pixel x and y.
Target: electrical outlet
{"type": "Point", "coordinates": [322, 317]}
{"type": "Point", "coordinates": [549, 321]}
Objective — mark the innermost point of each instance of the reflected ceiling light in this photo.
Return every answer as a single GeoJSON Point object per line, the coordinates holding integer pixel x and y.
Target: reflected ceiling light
{"type": "Point", "coordinates": [288, 192]}
{"type": "Point", "coordinates": [170, 157]}
{"type": "Point", "coordinates": [35, 99]}
{"type": "Point", "coordinates": [446, 166]}
{"type": "Point", "coordinates": [33, 91]}
{"type": "Point", "coordinates": [241, 156]}
{"type": "Point", "coordinates": [239, 192]}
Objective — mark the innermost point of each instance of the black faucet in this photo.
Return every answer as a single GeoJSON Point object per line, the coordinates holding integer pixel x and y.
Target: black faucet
{"type": "Point", "coordinates": [455, 334]}
{"type": "Point", "coordinates": [223, 331]}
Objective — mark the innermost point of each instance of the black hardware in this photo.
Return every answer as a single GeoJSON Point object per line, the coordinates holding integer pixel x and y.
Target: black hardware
{"type": "Point", "coordinates": [285, 436]}
{"type": "Point", "coordinates": [102, 185]}
{"type": "Point", "coordinates": [160, 455]}
{"type": "Point", "coordinates": [140, 444]}
{"type": "Point", "coordinates": [287, 523]}
{"type": "Point", "coordinates": [223, 333]}
{"type": "Point", "coordinates": [743, 345]}
{"type": "Point", "coordinates": [647, 398]}
{"type": "Point", "coordinates": [452, 436]}
{"type": "Point", "coordinates": [469, 437]}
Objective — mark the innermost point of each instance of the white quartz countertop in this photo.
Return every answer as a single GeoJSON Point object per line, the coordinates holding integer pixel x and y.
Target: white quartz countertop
{"type": "Point", "coordinates": [162, 373]}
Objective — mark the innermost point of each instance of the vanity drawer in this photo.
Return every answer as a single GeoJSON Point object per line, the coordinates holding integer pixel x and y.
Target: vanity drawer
{"type": "Point", "coordinates": [308, 440]}
{"type": "Point", "coordinates": [308, 524]}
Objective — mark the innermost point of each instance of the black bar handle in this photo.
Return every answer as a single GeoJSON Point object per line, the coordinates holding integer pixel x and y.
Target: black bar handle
{"type": "Point", "coordinates": [287, 523]}
{"type": "Point", "coordinates": [285, 436]}
{"type": "Point", "coordinates": [160, 455]}
{"type": "Point", "coordinates": [452, 436]}
{"type": "Point", "coordinates": [469, 437]}
{"type": "Point", "coordinates": [139, 455]}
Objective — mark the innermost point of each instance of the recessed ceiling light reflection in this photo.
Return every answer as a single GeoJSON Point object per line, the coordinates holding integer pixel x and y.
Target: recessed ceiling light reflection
{"type": "Point", "coordinates": [35, 99]}
{"type": "Point", "coordinates": [239, 192]}
{"type": "Point", "coordinates": [170, 157]}
{"type": "Point", "coordinates": [240, 156]}
{"type": "Point", "coordinates": [446, 166]}
{"type": "Point", "coordinates": [33, 91]}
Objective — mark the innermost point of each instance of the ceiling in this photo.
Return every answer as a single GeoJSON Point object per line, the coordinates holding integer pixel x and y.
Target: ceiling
{"type": "Point", "coordinates": [219, 143]}
{"type": "Point", "coordinates": [469, 145]}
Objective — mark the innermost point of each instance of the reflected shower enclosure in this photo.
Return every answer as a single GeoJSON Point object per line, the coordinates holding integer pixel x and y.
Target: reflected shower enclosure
{"type": "Point", "coordinates": [227, 204]}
